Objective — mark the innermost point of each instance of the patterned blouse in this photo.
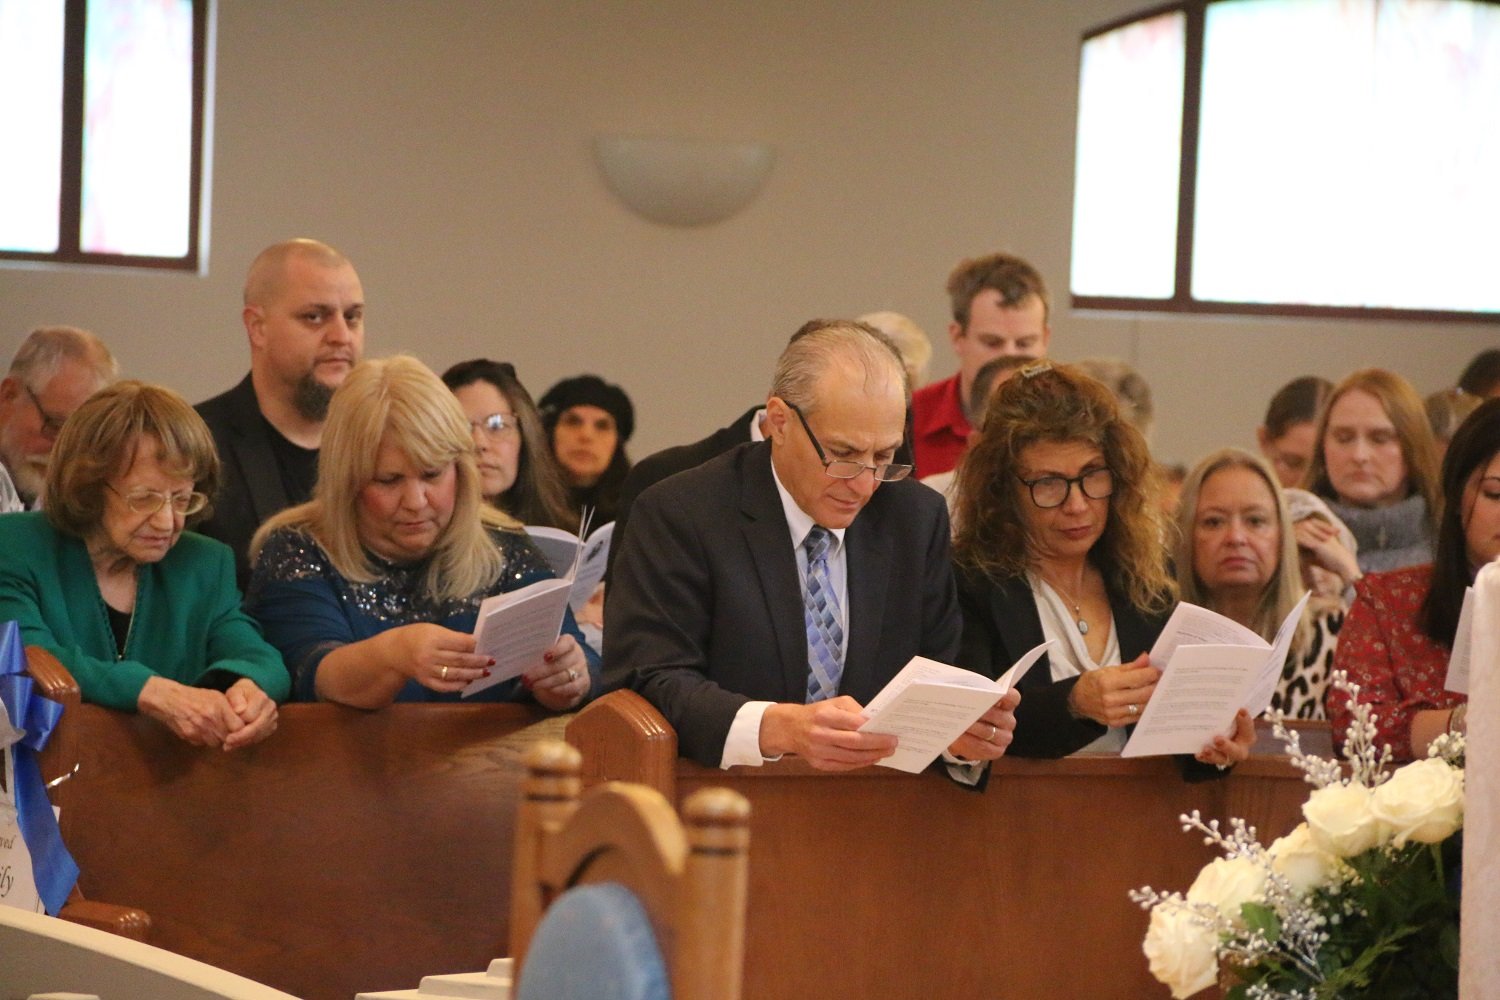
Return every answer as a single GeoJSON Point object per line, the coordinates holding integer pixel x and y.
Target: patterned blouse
{"type": "Point", "coordinates": [1399, 668]}
{"type": "Point", "coordinates": [308, 609]}
{"type": "Point", "coordinates": [1304, 679]}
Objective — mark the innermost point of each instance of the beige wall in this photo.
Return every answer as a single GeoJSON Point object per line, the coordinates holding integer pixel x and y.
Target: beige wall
{"type": "Point", "coordinates": [444, 145]}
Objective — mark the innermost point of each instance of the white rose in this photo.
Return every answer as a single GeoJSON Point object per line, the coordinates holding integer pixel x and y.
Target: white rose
{"type": "Point", "coordinates": [1228, 882]}
{"type": "Point", "coordinates": [1423, 801]}
{"type": "Point", "coordinates": [1180, 950]}
{"type": "Point", "coordinates": [1340, 820]}
{"type": "Point", "coordinates": [1306, 866]}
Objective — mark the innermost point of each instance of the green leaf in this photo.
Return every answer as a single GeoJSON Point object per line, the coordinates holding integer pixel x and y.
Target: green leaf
{"type": "Point", "coordinates": [1260, 917]}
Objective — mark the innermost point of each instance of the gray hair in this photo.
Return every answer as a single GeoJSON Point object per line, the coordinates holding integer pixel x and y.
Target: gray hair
{"type": "Point", "coordinates": [1130, 387]}
{"type": "Point", "coordinates": [823, 343]}
{"type": "Point", "coordinates": [45, 349]}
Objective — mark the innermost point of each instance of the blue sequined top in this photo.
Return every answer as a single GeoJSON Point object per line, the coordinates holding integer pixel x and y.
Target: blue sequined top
{"type": "Point", "coordinates": [308, 609]}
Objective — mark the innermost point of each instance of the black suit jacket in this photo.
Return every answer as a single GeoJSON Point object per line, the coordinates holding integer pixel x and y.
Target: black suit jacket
{"type": "Point", "coordinates": [705, 611]}
{"type": "Point", "coordinates": [1001, 623]}
{"type": "Point", "coordinates": [250, 483]}
{"type": "Point", "coordinates": [668, 462]}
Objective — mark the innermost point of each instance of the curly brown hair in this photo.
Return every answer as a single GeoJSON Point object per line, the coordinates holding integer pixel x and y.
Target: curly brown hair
{"type": "Point", "coordinates": [1046, 402]}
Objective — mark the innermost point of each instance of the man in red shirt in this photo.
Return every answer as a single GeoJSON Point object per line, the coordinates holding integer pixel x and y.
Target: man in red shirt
{"type": "Point", "coordinates": [1000, 307]}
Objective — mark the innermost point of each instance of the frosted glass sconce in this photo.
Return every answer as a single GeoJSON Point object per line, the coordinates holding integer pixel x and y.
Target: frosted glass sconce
{"type": "Point", "coordinates": [683, 182]}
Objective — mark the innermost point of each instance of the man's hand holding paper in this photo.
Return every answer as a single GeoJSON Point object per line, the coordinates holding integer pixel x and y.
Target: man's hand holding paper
{"type": "Point", "coordinates": [825, 733]}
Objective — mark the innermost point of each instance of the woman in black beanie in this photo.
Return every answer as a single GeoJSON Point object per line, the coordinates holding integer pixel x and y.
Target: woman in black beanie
{"type": "Point", "coordinates": [588, 421]}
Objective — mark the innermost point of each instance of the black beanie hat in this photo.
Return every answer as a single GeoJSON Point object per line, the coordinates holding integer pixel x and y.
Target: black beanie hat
{"type": "Point", "coordinates": [588, 390]}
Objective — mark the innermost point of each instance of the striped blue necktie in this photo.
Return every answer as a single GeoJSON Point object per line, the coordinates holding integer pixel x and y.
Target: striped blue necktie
{"type": "Point", "coordinates": [820, 612]}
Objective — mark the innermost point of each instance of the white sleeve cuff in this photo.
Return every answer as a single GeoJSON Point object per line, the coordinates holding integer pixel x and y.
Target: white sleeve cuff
{"type": "Point", "coordinates": [965, 772]}
{"type": "Point", "coordinates": [742, 745]}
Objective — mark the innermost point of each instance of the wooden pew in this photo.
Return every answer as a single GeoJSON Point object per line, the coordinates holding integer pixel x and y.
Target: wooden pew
{"type": "Point", "coordinates": [350, 851]}
{"type": "Point", "coordinates": [881, 884]}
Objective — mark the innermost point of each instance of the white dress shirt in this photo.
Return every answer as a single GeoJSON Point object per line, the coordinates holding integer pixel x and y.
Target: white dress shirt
{"type": "Point", "coordinates": [742, 746]}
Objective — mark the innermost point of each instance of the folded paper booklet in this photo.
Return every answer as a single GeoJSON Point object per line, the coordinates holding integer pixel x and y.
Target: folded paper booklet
{"type": "Point", "coordinates": [929, 704]}
{"type": "Point", "coordinates": [517, 627]}
{"type": "Point", "coordinates": [563, 549]}
{"type": "Point", "coordinates": [1463, 644]}
{"type": "Point", "coordinates": [1211, 668]}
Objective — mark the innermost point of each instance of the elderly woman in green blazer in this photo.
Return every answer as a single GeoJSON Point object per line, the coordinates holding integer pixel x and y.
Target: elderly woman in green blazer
{"type": "Point", "coordinates": [145, 616]}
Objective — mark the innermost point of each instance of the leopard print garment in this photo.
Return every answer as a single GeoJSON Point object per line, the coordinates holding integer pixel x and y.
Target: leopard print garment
{"type": "Point", "coordinates": [1304, 679]}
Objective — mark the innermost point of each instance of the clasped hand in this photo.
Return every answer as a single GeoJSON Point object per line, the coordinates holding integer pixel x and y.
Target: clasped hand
{"type": "Point", "coordinates": [230, 719]}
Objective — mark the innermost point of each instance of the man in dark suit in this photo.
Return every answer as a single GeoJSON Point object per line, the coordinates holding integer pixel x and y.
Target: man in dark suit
{"type": "Point", "coordinates": [708, 616]}
{"type": "Point", "coordinates": [304, 315]}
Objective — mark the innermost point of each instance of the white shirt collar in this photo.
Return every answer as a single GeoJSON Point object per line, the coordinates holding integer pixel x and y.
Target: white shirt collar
{"type": "Point", "coordinates": [798, 521]}
{"type": "Point", "coordinates": [755, 431]}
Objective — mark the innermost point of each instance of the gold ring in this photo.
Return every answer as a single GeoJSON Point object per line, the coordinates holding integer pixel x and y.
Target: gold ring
{"type": "Point", "coordinates": [1131, 708]}
{"type": "Point", "coordinates": [444, 674]}
{"type": "Point", "coordinates": [994, 731]}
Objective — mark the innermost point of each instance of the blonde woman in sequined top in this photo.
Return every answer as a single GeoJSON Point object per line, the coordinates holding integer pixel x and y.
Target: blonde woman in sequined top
{"type": "Point", "coordinates": [371, 589]}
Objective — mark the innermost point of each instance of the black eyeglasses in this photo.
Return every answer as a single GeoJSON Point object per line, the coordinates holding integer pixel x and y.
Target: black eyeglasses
{"type": "Point", "coordinates": [151, 501]}
{"type": "Point", "coordinates": [1052, 491]}
{"type": "Point", "coordinates": [51, 424]}
{"type": "Point", "coordinates": [843, 468]}
{"type": "Point", "coordinates": [496, 425]}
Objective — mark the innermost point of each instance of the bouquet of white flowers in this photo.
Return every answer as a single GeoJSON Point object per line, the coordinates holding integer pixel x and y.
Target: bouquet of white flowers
{"type": "Point", "coordinates": [1360, 901]}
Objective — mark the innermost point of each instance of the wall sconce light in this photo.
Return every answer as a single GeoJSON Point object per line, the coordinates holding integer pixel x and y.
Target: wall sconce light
{"type": "Point", "coordinates": [683, 182]}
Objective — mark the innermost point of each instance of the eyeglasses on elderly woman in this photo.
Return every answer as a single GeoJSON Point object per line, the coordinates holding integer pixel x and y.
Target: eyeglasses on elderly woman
{"type": "Point", "coordinates": [151, 501]}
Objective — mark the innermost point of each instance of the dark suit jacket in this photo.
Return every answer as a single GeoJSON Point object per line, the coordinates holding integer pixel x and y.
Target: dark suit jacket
{"type": "Point", "coordinates": [705, 611]}
{"type": "Point", "coordinates": [668, 462]}
{"type": "Point", "coordinates": [250, 484]}
{"type": "Point", "coordinates": [1001, 623]}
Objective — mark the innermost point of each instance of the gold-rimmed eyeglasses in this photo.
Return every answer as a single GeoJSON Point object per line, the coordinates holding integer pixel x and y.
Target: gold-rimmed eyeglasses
{"type": "Point", "coordinates": [151, 501]}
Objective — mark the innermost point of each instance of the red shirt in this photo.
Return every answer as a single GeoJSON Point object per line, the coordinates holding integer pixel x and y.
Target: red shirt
{"type": "Point", "coordinates": [939, 429]}
{"type": "Point", "coordinates": [1399, 668]}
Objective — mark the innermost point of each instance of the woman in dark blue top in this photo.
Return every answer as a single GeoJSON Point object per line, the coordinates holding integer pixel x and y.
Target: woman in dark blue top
{"type": "Point", "coordinates": [371, 589]}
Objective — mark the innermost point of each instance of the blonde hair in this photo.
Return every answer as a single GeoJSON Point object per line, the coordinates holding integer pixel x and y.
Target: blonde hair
{"type": "Point", "coordinates": [1044, 402]}
{"type": "Point", "coordinates": [1282, 592]}
{"type": "Point", "coordinates": [400, 402]}
{"type": "Point", "coordinates": [1404, 408]}
{"type": "Point", "coordinates": [911, 341]}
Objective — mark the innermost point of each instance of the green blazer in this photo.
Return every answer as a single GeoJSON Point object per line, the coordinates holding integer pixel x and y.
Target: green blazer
{"type": "Point", "coordinates": [187, 618]}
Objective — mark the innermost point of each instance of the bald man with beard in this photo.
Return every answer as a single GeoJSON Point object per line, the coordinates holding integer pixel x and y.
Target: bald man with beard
{"type": "Point", "coordinates": [304, 317]}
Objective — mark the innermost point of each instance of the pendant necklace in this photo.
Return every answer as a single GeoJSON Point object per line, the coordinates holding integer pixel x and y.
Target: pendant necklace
{"type": "Point", "coordinates": [1083, 626]}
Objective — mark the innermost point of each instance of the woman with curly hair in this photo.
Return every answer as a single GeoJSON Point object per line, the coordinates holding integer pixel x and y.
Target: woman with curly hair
{"type": "Point", "coordinates": [1060, 538]}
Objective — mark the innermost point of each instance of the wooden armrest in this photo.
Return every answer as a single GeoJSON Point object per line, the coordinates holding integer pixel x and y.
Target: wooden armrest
{"type": "Point", "coordinates": [51, 677]}
{"type": "Point", "coordinates": [125, 921]}
{"type": "Point", "coordinates": [624, 738]}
